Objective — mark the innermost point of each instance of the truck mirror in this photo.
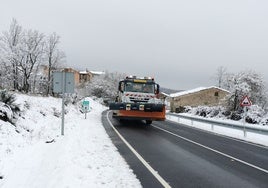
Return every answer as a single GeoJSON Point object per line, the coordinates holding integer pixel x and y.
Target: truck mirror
{"type": "Point", "coordinates": [121, 86]}
{"type": "Point", "coordinates": [117, 99]}
{"type": "Point", "coordinates": [157, 89]}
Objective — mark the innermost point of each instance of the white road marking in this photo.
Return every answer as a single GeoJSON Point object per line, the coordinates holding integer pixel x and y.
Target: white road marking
{"type": "Point", "coordinates": [142, 160]}
{"type": "Point", "coordinates": [221, 135]}
{"type": "Point", "coordinates": [213, 150]}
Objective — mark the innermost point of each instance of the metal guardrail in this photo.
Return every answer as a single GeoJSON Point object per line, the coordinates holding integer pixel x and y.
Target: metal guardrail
{"type": "Point", "coordinates": [243, 127]}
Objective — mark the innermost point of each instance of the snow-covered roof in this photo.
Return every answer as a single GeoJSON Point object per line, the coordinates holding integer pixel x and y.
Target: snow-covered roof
{"type": "Point", "coordinates": [83, 72]}
{"type": "Point", "coordinates": [97, 72]}
{"type": "Point", "coordinates": [165, 94]}
{"type": "Point", "coordinates": [92, 72]}
{"type": "Point", "coordinates": [181, 93]}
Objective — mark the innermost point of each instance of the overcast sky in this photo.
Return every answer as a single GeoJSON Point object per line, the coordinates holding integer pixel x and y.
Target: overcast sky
{"type": "Point", "coordinates": [180, 43]}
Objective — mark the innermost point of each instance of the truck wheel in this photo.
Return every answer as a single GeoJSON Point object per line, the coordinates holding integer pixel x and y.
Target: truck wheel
{"type": "Point", "coordinates": [149, 122]}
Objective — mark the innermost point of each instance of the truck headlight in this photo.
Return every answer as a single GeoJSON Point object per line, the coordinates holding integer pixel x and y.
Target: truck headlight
{"type": "Point", "coordinates": [125, 99]}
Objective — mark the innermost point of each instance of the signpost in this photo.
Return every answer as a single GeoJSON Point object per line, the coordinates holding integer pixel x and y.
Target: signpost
{"type": "Point", "coordinates": [63, 82]}
{"type": "Point", "coordinates": [244, 103]}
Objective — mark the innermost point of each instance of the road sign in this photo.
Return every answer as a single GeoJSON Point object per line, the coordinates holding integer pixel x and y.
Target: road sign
{"type": "Point", "coordinates": [63, 82]}
{"type": "Point", "coordinates": [245, 101]}
{"type": "Point", "coordinates": [86, 106]}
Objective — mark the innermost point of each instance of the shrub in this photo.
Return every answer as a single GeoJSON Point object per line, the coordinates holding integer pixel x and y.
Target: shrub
{"type": "Point", "coordinates": [8, 107]}
{"type": "Point", "coordinates": [254, 114]}
{"type": "Point", "coordinates": [180, 109]}
{"type": "Point", "coordinates": [6, 113]}
{"type": "Point", "coordinates": [235, 116]}
{"type": "Point", "coordinates": [9, 99]}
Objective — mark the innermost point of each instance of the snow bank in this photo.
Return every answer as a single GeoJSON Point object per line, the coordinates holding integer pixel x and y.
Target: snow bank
{"type": "Point", "coordinates": [34, 154]}
{"type": "Point", "coordinates": [251, 136]}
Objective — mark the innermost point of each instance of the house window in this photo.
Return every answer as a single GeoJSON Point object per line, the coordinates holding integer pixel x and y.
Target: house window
{"type": "Point", "coordinates": [216, 94]}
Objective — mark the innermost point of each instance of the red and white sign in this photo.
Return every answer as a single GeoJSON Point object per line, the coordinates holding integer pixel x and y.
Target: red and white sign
{"type": "Point", "coordinates": [245, 101]}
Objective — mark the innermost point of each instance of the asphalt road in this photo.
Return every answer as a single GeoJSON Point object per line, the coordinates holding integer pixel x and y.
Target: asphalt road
{"type": "Point", "coordinates": [186, 157]}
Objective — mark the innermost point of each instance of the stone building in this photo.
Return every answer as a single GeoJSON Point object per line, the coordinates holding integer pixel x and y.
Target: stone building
{"type": "Point", "coordinates": [85, 76]}
{"type": "Point", "coordinates": [76, 75]}
{"type": "Point", "coordinates": [210, 96]}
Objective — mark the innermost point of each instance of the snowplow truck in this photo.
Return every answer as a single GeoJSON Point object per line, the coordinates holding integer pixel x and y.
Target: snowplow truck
{"type": "Point", "coordinates": [138, 99]}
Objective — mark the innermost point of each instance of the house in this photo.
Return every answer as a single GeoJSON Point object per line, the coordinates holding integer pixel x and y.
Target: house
{"type": "Point", "coordinates": [202, 96]}
{"type": "Point", "coordinates": [82, 76]}
{"type": "Point", "coordinates": [85, 76]}
{"type": "Point", "coordinates": [76, 74]}
{"type": "Point", "coordinates": [164, 96]}
{"type": "Point", "coordinates": [79, 76]}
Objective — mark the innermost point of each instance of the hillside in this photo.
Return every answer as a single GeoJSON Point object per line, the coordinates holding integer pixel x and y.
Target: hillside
{"type": "Point", "coordinates": [34, 154]}
{"type": "Point", "coordinates": [169, 91]}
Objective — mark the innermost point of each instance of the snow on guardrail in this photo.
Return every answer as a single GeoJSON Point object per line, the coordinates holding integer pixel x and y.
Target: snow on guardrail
{"type": "Point", "coordinates": [253, 133]}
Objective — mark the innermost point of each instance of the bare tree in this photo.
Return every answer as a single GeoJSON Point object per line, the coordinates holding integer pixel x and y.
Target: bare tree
{"type": "Point", "coordinates": [32, 49]}
{"type": "Point", "coordinates": [10, 51]}
{"type": "Point", "coordinates": [21, 53]}
{"type": "Point", "coordinates": [220, 75]}
{"type": "Point", "coordinates": [53, 56]}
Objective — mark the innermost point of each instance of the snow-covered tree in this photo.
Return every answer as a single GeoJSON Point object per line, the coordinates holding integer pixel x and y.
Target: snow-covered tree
{"type": "Point", "coordinates": [220, 75]}
{"type": "Point", "coordinates": [103, 86]}
{"type": "Point", "coordinates": [21, 53]}
{"type": "Point", "coordinates": [53, 56]}
{"type": "Point", "coordinates": [245, 83]}
{"type": "Point", "coordinates": [10, 56]}
{"type": "Point", "coordinates": [33, 49]}
{"type": "Point", "coordinates": [3, 80]}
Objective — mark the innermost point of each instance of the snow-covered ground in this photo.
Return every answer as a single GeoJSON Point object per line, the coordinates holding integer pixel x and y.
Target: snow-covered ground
{"type": "Point", "coordinates": [34, 154]}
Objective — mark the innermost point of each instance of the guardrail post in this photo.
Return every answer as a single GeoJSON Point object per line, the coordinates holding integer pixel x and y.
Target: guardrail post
{"type": "Point", "coordinates": [245, 132]}
{"type": "Point", "coordinates": [192, 122]}
{"type": "Point", "coordinates": [212, 127]}
{"type": "Point", "coordinates": [178, 119]}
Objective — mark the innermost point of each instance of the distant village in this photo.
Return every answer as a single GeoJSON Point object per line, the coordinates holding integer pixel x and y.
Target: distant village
{"type": "Point", "coordinates": [79, 76]}
{"type": "Point", "coordinates": [175, 102]}
{"type": "Point", "coordinates": [207, 96]}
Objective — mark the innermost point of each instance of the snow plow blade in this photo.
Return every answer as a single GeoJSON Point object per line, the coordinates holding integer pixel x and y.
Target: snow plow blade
{"type": "Point", "coordinates": [154, 112]}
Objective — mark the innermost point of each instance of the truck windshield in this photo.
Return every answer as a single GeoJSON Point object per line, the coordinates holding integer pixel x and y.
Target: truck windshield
{"type": "Point", "coordinates": [139, 87]}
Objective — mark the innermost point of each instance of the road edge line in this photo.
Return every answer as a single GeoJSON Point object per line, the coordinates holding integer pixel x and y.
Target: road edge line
{"type": "Point", "coordinates": [142, 160]}
{"type": "Point", "coordinates": [213, 150]}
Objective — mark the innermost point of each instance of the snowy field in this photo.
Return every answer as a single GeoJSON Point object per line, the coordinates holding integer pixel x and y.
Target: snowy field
{"type": "Point", "coordinates": [34, 154]}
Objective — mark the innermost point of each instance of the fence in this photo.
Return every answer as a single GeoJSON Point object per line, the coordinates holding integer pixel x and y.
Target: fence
{"type": "Point", "coordinates": [253, 133]}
